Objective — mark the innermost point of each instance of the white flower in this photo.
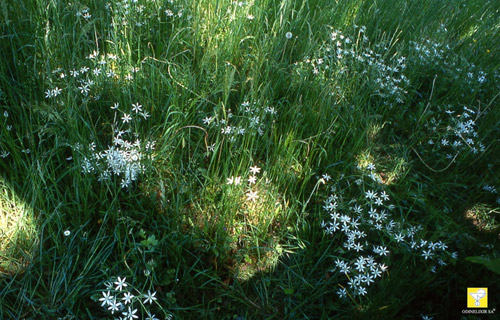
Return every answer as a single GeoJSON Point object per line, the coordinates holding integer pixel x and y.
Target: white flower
{"type": "Point", "coordinates": [136, 107]}
{"type": "Point", "coordinates": [362, 291]}
{"type": "Point", "coordinates": [384, 195]}
{"type": "Point", "coordinates": [127, 297]}
{"type": "Point", "coordinates": [252, 196]}
{"type": "Point", "coordinates": [56, 91]}
{"type": "Point", "coordinates": [130, 314]}
{"type": "Point", "coordinates": [67, 233]}
{"type": "Point", "coordinates": [207, 120]}
{"type": "Point", "coordinates": [84, 89]}
{"type": "Point", "coordinates": [151, 317]}
{"type": "Point", "coordinates": [150, 297]}
{"type": "Point", "coordinates": [288, 35]}
{"type": "Point", "coordinates": [399, 237]}
{"type": "Point", "coordinates": [342, 293]}
{"type": "Point", "coordinates": [237, 181]}
{"type": "Point", "coordinates": [382, 251]}
{"type": "Point", "coordinates": [370, 194]}
{"type": "Point", "coordinates": [114, 306]}
{"type": "Point", "coordinates": [120, 284]}
{"type": "Point", "coordinates": [427, 254]}
{"type": "Point", "coordinates": [126, 118]}
{"type": "Point", "coordinates": [145, 114]}
{"type": "Point", "coordinates": [254, 170]}
{"type": "Point", "coordinates": [230, 180]}
{"type": "Point", "coordinates": [115, 106]}
{"type": "Point", "coordinates": [106, 299]}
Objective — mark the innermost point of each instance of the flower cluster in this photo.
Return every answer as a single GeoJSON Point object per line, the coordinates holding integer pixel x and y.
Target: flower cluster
{"type": "Point", "coordinates": [345, 56]}
{"type": "Point", "coordinates": [433, 57]}
{"type": "Point", "coordinates": [124, 158]}
{"type": "Point", "coordinates": [121, 299]}
{"type": "Point", "coordinates": [252, 179]}
{"type": "Point", "coordinates": [250, 118]}
{"type": "Point", "coordinates": [451, 132]}
{"type": "Point", "coordinates": [85, 80]}
{"type": "Point", "coordinates": [371, 235]}
{"type": "Point", "coordinates": [84, 13]}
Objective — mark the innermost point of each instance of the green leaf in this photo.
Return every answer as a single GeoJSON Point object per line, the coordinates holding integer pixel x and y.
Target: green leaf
{"type": "Point", "coordinates": [491, 264]}
{"type": "Point", "coordinates": [288, 291]}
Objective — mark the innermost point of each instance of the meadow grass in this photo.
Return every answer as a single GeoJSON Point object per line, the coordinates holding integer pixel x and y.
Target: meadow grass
{"type": "Point", "coordinates": [248, 160]}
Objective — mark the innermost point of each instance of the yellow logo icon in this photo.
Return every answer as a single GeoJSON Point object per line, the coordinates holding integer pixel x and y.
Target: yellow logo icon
{"type": "Point", "coordinates": [477, 297]}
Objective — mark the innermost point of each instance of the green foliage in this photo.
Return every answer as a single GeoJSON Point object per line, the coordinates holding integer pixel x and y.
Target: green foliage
{"type": "Point", "coordinates": [491, 264]}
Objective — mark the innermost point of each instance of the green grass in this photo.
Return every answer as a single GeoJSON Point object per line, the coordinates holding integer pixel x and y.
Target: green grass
{"type": "Point", "coordinates": [303, 90]}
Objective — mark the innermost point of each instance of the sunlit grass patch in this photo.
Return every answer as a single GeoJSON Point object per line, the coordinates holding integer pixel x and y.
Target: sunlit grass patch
{"type": "Point", "coordinates": [242, 227]}
{"type": "Point", "coordinates": [484, 217]}
{"type": "Point", "coordinates": [18, 231]}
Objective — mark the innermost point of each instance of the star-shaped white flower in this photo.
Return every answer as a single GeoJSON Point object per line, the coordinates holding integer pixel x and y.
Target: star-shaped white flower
{"type": "Point", "coordinates": [107, 299]}
{"type": "Point", "coordinates": [127, 297]}
{"type": "Point", "coordinates": [120, 284]}
{"type": "Point", "coordinates": [126, 118]}
{"type": "Point", "coordinates": [130, 314]}
{"type": "Point", "coordinates": [150, 297]}
{"type": "Point", "coordinates": [254, 170]}
{"type": "Point", "coordinates": [136, 107]}
{"type": "Point", "coordinates": [252, 179]}
{"type": "Point", "coordinates": [237, 181]}
{"type": "Point", "coordinates": [252, 196]}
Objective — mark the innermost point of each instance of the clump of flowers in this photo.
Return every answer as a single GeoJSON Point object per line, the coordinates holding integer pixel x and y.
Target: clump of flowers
{"type": "Point", "coordinates": [450, 132]}
{"type": "Point", "coordinates": [125, 157]}
{"type": "Point", "coordinates": [250, 118]}
{"type": "Point", "coordinates": [431, 57]}
{"type": "Point", "coordinates": [345, 56]}
{"type": "Point", "coordinates": [370, 233]}
{"type": "Point", "coordinates": [123, 301]}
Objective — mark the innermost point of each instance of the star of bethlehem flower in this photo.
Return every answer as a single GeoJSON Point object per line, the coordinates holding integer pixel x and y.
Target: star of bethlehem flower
{"type": "Point", "coordinates": [237, 181]}
{"type": "Point", "coordinates": [252, 179]}
{"type": "Point", "coordinates": [114, 306]}
{"type": "Point", "coordinates": [136, 107]}
{"type": "Point", "coordinates": [130, 314]}
{"type": "Point", "coordinates": [254, 170]}
{"type": "Point", "coordinates": [107, 299]}
{"type": "Point", "coordinates": [150, 297]}
{"type": "Point", "coordinates": [252, 196]}
{"type": "Point", "coordinates": [151, 317]}
{"type": "Point", "coordinates": [126, 118]}
{"type": "Point", "coordinates": [127, 298]}
{"type": "Point", "coordinates": [120, 283]}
